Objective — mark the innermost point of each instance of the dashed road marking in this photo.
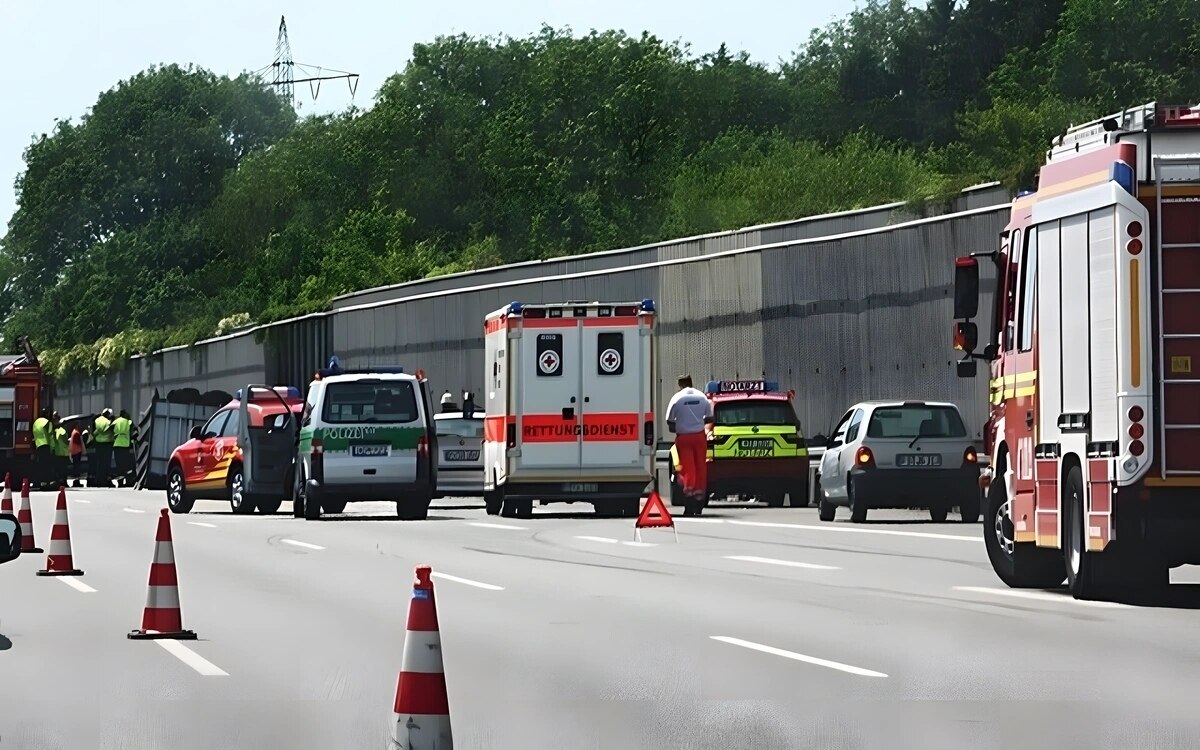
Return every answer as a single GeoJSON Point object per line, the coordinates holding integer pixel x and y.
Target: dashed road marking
{"type": "Point", "coordinates": [1041, 596]}
{"type": "Point", "coordinates": [81, 500]}
{"type": "Point", "coordinates": [604, 539]}
{"type": "Point", "coordinates": [77, 585]}
{"type": "Point", "coordinates": [798, 657]}
{"type": "Point", "coordinates": [640, 544]}
{"type": "Point", "coordinates": [857, 530]}
{"type": "Point", "coordinates": [191, 658]}
{"type": "Point", "coordinates": [305, 545]}
{"type": "Point", "coordinates": [469, 582]}
{"type": "Point", "coordinates": [201, 523]}
{"type": "Point", "coordinates": [484, 525]}
{"type": "Point", "coordinates": [788, 563]}
{"type": "Point", "coordinates": [686, 519]}
{"type": "Point", "coordinates": [132, 510]}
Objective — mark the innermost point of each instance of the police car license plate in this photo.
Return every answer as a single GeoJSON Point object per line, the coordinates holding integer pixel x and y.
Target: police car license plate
{"type": "Point", "coordinates": [581, 487]}
{"type": "Point", "coordinates": [370, 451]}
{"type": "Point", "coordinates": [462, 455]}
{"type": "Point", "coordinates": [916, 460]}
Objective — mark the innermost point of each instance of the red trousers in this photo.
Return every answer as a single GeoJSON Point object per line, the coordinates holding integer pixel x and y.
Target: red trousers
{"type": "Point", "coordinates": [693, 462]}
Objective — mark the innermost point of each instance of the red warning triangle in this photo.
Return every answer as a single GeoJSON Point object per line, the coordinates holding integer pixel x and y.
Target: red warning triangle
{"type": "Point", "coordinates": [655, 515]}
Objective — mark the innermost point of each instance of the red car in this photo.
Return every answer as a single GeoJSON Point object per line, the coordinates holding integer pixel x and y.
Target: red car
{"type": "Point", "coordinates": [212, 465]}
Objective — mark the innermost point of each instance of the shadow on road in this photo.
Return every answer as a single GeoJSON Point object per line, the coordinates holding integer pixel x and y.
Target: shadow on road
{"type": "Point", "coordinates": [392, 518]}
{"type": "Point", "coordinates": [1175, 596]}
{"type": "Point", "coordinates": [5, 643]}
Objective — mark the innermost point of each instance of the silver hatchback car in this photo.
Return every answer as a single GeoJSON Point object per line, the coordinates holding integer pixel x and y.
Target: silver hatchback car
{"type": "Point", "coordinates": [460, 440]}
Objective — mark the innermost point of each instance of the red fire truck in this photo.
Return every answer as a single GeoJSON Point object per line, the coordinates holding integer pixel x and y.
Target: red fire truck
{"type": "Point", "coordinates": [23, 393]}
{"type": "Point", "coordinates": [1094, 427]}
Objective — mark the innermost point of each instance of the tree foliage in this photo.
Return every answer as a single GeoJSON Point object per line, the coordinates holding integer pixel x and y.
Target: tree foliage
{"type": "Point", "coordinates": [184, 203]}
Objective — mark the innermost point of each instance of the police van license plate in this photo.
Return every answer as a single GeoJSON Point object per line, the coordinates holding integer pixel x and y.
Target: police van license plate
{"type": "Point", "coordinates": [581, 487]}
{"type": "Point", "coordinates": [462, 455]}
{"type": "Point", "coordinates": [916, 460]}
{"type": "Point", "coordinates": [370, 451]}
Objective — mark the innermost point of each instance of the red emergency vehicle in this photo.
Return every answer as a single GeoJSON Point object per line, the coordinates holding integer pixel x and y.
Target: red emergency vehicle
{"type": "Point", "coordinates": [1094, 427]}
{"type": "Point", "coordinates": [24, 392]}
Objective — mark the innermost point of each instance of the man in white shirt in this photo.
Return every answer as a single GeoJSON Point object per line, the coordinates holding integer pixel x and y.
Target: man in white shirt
{"type": "Point", "coordinates": [688, 415]}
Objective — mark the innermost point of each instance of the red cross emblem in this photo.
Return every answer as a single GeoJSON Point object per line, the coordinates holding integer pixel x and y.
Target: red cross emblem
{"type": "Point", "coordinates": [549, 362]}
{"type": "Point", "coordinates": [610, 360]}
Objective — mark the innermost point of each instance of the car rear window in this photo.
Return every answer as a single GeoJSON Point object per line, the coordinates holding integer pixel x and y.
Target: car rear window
{"type": "Point", "coordinates": [906, 421]}
{"type": "Point", "coordinates": [464, 428]}
{"type": "Point", "coordinates": [779, 413]}
{"type": "Point", "coordinates": [373, 401]}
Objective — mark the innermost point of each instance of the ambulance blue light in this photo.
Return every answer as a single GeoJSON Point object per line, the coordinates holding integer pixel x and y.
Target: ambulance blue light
{"type": "Point", "coordinates": [514, 308]}
{"type": "Point", "coordinates": [648, 305]}
{"type": "Point", "coordinates": [1122, 174]}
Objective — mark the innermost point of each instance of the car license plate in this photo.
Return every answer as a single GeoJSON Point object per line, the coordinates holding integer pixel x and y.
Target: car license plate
{"type": "Point", "coordinates": [918, 460]}
{"type": "Point", "coordinates": [370, 451]}
{"type": "Point", "coordinates": [581, 487]}
{"type": "Point", "coordinates": [462, 455]}
{"type": "Point", "coordinates": [756, 444]}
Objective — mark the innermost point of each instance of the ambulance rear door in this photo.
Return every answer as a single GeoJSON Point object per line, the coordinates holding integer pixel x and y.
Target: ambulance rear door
{"type": "Point", "coordinates": [616, 394]}
{"type": "Point", "coordinates": [549, 408]}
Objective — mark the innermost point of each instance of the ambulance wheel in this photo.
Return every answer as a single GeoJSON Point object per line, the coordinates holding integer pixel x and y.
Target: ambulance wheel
{"type": "Point", "coordinates": [268, 505]}
{"type": "Point", "coordinates": [240, 501]}
{"type": "Point", "coordinates": [179, 500]}
{"type": "Point", "coordinates": [798, 495]}
{"type": "Point", "coordinates": [493, 502]}
{"type": "Point", "coordinates": [1020, 565]}
{"type": "Point", "coordinates": [773, 499]}
{"type": "Point", "coordinates": [631, 507]}
{"type": "Point", "coordinates": [678, 500]}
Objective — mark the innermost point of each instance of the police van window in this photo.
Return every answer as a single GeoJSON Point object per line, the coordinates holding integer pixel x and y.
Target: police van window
{"type": "Point", "coordinates": [213, 427]}
{"type": "Point", "coordinates": [463, 428]}
{"type": "Point", "coordinates": [855, 423]}
{"type": "Point", "coordinates": [907, 422]}
{"type": "Point", "coordinates": [372, 401]}
{"type": "Point", "coordinates": [1028, 291]}
{"type": "Point", "coordinates": [766, 413]}
{"type": "Point", "coordinates": [231, 425]}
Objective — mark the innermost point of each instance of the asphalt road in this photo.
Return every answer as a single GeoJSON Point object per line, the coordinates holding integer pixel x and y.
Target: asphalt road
{"type": "Point", "coordinates": [758, 628]}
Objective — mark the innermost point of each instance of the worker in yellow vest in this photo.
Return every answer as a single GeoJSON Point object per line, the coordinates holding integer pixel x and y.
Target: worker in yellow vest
{"type": "Point", "coordinates": [102, 436]}
{"type": "Point", "coordinates": [62, 450]}
{"type": "Point", "coordinates": [123, 447]}
{"type": "Point", "coordinates": [43, 455]}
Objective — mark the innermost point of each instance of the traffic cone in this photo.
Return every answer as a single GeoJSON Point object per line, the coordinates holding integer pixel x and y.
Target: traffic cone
{"type": "Point", "coordinates": [162, 617]}
{"type": "Point", "coordinates": [422, 709]}
{"type": "Point", "coordinates": [6, 504]}
{"type": "Point", "coordinates": [25, 518]}
{"type": "Point", "coordinates": [58, 560]}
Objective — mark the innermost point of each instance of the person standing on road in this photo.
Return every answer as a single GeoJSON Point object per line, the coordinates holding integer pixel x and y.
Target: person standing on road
{"type": "Point", "coordinates": [62, 451]}
{"type": "Point", "coordinates": [688, 415]}
{"type": "Point", "coordinates": [76, 450]}
{"type": "Point", "coordinates": [43, 454]}
{"type": "Point", "coordinates": [103, 437]}
{"type": "Point", "coordinates": [123, 447]}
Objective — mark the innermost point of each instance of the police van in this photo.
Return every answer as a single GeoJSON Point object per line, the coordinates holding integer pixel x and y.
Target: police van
{"type": "Point", "coordinates": [570, 405]}
{"type": "Point", "coordinates": [756, 446]}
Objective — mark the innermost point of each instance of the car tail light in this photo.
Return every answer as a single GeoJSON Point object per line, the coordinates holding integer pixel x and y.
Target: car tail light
{"type": "Point", "coordinates": [1136, 414]}
{"type": "Point", "coordinates": [1136, 431]}
{"type": "Point", "coordinates": [1134, 246]}
{"type": "Point", "coordinates": [1134, 229]}
{"type": "Point", "coordinates": [1137, 447]}
{"type": "Point", "coordinates": [423, 446]}
{"type": "Point", "coordinates": [648, 432]}
{"type": "Point", "coordinates": [864, 458]}
{"type": "Point", "coordinates": [317, 445]}
{"type": "Point", "coordinates": [511, 436]}
{"type": "Point", "coordinates": [970, 456]}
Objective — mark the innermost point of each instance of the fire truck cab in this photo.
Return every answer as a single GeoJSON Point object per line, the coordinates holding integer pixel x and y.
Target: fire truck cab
{"type": "Point", "coordinates": [1094, 422]}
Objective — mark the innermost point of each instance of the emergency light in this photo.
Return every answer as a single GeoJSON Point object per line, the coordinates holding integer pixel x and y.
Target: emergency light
{"type": "Point", "coordinates": [741, 386]}
{"type": "Point", "coordinates": [287, 391]}
{"type": "Point", "coordinates": [335, 368]}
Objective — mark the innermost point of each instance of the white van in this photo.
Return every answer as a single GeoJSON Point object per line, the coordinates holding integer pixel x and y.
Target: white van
{"type": "Point", "coordinates": [366, 435]}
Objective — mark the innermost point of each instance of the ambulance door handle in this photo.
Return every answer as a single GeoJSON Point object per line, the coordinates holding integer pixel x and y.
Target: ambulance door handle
{"type": "Point", "coordinates": [572, 399]}
{"type": "Point", "coordinates": [587, 399]}
{"type": "Point", "coordinates": [568, 413]}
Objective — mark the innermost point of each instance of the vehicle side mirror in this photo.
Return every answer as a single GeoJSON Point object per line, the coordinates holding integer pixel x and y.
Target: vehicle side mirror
{"type": "Point", "coordinates": [966, 336]}
{"type": "Point", "coordinates": [966, 288]}
{"type": "Point", "coordinates": [10, 538]}
{"type": "Point", "coordinates": [197, 433]}
{"type": "Point", "coordinates": [966, 368]}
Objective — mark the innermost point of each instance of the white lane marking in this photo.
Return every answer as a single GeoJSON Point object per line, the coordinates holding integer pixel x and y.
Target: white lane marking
{"type": "Point", "coordinates": [604, 539]}
{"type": "Point", "coordinates": [798, 657]}
{"type": "Point", "coordinates": [132, 510]}
{"type": "Point", "coordinates": [191, 658]}
{"type": "Point", "coordinates": [855, 530]}
{"type": "Point", "coordinates": [201, 523]}
{"type": "Point", "coordinates": [305, 545]}
{"type": "Point", "coordinates": [81, 500]}
{"type": "Point", "coordinates": [641, 544]}
{"type": "Point", "coordinates": [483, 525]}
{"type": "Point", "coordinates": [77, 585]}
{"type": "Point", "coordinates": [1041, 596]}
{"type": "Point", "coordinates": [685, 519]}
{"type": "Point", "coordinates": [469, 582]}
{"type": "Point", "coordinates": [788, 563]}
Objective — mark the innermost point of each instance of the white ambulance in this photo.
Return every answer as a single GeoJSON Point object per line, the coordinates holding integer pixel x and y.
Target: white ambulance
{"type": "Point", "coordinates": [569, 414]}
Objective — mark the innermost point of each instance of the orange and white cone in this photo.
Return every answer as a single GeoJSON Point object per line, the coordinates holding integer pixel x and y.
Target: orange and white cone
{"type": "Point", "coordinates": [58, 560]}
{"type": "Point", "coordinates": [6, 504]}
{"type": "Point", "coordinates": [422, 708]}
{"type": "Point", "coordinates": [25, 519]}
{"type": "Point", "coordinates": [162, 617]}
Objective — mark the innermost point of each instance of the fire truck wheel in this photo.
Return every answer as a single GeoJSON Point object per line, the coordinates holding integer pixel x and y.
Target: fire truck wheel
{"type": "Point", "coordinates": [798, 495]}
{"type": "Point", "coordinates": [1083, 578]}
{"type": "Point", "coordinates": [773, 499]}
{"type": "Point", "coordinates": [240, 501]}
{"type": "Point", "coordinates": [858, 506]}
{"type": "Point", "coordinates": [1019, 566]}
{"type": "Point", "coordinates": [179, 500]}
{"type": "Point", "coordinates": [268, 505]}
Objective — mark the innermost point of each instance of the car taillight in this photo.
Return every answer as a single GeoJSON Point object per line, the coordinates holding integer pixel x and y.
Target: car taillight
{"type": "Point", "coordinates": [317, 445]}
{"type": "Point", "coordinates": [863, 458]}
{"type": "Point", "coordinates": [510, 436]}
{"type": "Point", "coordinates": [423, 446]}
{"type": "Point", "coordinates": [1136, 431]}
{"type": "Point", "coordinates": [648, 432]}
{"type": "Point", "coordinates": [1137, 447]}
{"type": "Point", "coordinates": [970, 456]}
{"type": "Point", "coordinates": [1136, 414]}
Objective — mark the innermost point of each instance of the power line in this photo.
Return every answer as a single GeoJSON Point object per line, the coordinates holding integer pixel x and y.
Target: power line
{"type": "Point", "coordinates": [283, 70]}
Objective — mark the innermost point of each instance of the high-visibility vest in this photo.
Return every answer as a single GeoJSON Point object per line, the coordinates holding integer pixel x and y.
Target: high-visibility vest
{"type": "Point", "coordinates": [41, 432]}
{"type": "Point", "coordinates": [103, 432]}
{"type": "Point", "coordinates": [60, 446]}
{"type": "Point", "coordinates": [122, 428]}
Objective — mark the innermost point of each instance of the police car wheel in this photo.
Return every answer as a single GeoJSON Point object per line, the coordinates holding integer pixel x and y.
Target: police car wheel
{"type": "Point", "coordinates": [298, 493]}
{"type": "Point", "coordinates": [773, 499]}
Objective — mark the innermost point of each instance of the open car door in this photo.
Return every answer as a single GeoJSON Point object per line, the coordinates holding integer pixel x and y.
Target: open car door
{"type": "Point", "coordinates": [268, 450]}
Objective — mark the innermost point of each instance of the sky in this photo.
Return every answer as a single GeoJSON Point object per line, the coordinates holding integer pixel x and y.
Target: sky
{"type": "Point", "coordinates": [57, 57]}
